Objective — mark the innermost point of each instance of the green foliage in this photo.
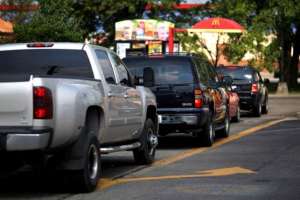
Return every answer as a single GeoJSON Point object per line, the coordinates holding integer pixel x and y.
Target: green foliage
{"type": "Point", "coordinates": [262, 18]}
{"type": "Point", "coordinates": [54, 21]}
{"type": "Point", "coordinates": [192, 43]}
{"type": "Point", "coordinates": [104, 14]}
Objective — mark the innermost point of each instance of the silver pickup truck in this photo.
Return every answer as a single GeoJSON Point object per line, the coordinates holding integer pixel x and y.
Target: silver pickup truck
{"type": "Point", "coordinates": [65, 104]}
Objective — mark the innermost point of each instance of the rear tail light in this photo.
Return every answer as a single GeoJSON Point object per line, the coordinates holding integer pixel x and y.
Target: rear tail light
{"type": "Point", "coordinates": [254, 88]}
{"type": "Point", "coordinates": [42, 103]}
{"type": "Point", "coordinates": [198, 98]}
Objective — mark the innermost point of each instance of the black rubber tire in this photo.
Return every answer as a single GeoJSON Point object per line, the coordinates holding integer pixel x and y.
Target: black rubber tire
{"type": "Point", "coordinates": [237, 117]}
{"type": "Point", "coordinates": [86, 179]}
{"type": "Point", "coordinates": [145, 155]}
{"type": "Point", "coordinates": [208, 134]}
{"type": "Point", "coordinates": [224, 132]}
{"type": "Point", "coordinates": [257, 110]}
{"type": "Point", "coordinates": [265, 107]}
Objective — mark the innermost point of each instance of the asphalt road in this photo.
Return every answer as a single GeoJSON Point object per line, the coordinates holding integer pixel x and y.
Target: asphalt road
{"type": "Point", "coordinates": [258, 161]}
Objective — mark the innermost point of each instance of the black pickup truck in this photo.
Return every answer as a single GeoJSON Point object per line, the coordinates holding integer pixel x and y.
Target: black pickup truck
{"type": "Point", "coordinates": [190, 97]}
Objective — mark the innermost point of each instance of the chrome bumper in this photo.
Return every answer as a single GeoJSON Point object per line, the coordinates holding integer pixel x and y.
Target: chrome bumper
{"type": "Point", "coordinates": [23, 142]}
{"type": "Point", "coordinates": [24, 139]}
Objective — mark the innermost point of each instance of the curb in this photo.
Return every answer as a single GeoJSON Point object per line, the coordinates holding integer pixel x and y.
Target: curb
{"type": "Point", "coordinates": [274, 96]}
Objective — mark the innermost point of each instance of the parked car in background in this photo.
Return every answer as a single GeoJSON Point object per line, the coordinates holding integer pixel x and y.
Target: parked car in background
{"type": "Point", "coordinates": [190, 97]}
{"type": "Point", "coordinates": [62, 104]}
{"type": "Point", "coordinates": [250, 86]}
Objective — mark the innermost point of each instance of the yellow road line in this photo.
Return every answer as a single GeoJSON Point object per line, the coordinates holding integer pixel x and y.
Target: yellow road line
{"type": "Point", "coordinates": [106, 183]}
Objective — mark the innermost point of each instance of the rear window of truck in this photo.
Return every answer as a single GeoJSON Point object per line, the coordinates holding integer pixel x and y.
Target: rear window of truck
{"type": "Point", "coordinates": [18, 65]}
{"type": "Point", "coordinates": [167, 70]}
{"type": "Point", "coordinates": [236, 73]}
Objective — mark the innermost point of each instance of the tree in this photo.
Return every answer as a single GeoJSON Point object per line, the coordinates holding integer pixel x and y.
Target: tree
{"type": "Point", "coordinates": [102, 15]}
{"type": "Point", "coordinates": [54, 21]}
{"type": "Point", "coordinates": [193, 43]}
{"type": "Point", "coordinates": [262, 18]}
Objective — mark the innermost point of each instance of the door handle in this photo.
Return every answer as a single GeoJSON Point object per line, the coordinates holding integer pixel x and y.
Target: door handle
{"type": "Point", "coordinates": [109, 94]}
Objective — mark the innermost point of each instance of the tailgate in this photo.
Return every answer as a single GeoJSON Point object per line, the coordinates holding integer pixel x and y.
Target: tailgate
{"type": "Point", "coordinates": [16, 104]}
{"type": "Point", "coordinates": [175, 96]}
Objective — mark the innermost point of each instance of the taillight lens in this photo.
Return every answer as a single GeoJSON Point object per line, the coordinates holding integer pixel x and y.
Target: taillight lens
{"type": "Point", "coordinates": [42, 103]}
{"type": "Point", "coordinates": [198, 98]}
{"type": "Point", "coordinates": [254, 88]}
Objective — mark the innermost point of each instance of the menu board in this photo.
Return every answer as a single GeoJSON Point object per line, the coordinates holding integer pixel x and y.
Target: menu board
{"type": "Point", "coordinates": [142, 29]}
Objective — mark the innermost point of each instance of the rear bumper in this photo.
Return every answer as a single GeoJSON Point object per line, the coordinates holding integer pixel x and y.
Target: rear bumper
{"type": "Point", "coordinates": [247, 102]}
{"type": "Point", "coordinates": [17, 139]}
{"type": "Point", "coordinates": [182, 120]}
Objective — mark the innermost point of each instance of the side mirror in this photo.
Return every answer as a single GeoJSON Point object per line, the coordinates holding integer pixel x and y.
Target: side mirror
{"type": "Point", "coordinates": [148, 77]}
{"type": "Point", "coordinates": [266, 81]}
{"type": "Point", "coordinates": [227, 81]}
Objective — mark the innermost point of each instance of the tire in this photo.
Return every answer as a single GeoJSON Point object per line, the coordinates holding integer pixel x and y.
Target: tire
{"type": "Point", "coordinates": [224, 132]}
{"type": "Point", "coordinates": [86, 179]}
{"type": "Point", "coordinates": [265, 107]}
{"type": "Point", "coordinates": [208, 134]}
{"type": "Point", "coordinates": [257, 110]}
{"type": "Point", "coordinates": [237, 117]}
{"type": "Point", "coordinates": [145, 154]}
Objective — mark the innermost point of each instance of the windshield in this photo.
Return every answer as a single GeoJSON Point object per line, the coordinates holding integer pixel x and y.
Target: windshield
{"type": "Point", "coordinates": [236, 73]}
{"type": "Point", "coordinates": [167, 70]}
{"type": "Point", "coordinates": [18, 65]}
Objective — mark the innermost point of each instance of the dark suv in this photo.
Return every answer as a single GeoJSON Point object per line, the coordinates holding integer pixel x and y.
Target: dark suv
{"type": "Point", "coordinates": [190, 97]}
{"type": "Point", "coordinates": [249, 85]}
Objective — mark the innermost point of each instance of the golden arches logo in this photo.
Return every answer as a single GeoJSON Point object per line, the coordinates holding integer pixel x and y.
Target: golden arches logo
{"type": "Point", "coordinates": [215, 22]}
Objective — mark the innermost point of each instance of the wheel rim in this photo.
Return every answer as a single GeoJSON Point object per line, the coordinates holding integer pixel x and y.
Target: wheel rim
{"type": "Point", "coordinates": [227, 124]}
{"type": "Point", "coordinates": [152, 141]}
{"type": "Point", "coordinates": [211, 132]}
{"type": "Point", "coordinates": [238, 115]}
{"type": "Point", "coordinates": [259, 108]}
{"type": "Point", "coordinates": [93, 162]}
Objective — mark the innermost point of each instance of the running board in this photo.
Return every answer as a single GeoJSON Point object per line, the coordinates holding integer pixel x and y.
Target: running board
{"type": "Point", "coordinates": [120, 148]}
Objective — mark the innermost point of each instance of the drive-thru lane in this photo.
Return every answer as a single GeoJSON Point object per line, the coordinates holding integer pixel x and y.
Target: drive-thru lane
{"type": "Point", "coordinates": [262, 165]}
{"type": "Point", "coordinates": [178, 158]}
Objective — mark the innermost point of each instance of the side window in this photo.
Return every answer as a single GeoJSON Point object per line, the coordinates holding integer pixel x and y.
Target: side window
{"type": "Point", "coordinates": [106, 66]}
{"type": "Point", "coordinates": [122, 71]}
{"type": "Point", "coordinates": [260, 78]}
{"type": "Point", "coordinates": [202, 69]}
{"type": "Point", "coordinates": [256, 77]}
{"type": "Point", "coordinates": [212, 74]}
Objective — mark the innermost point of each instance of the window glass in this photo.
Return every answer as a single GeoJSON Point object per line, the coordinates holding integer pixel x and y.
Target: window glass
{"type": "Point", "coordinates": [202, 69]}
{"type": "Point", "coordinates": [106, 66]}
{"type": "Point", "coordinates": [237, 73]}
{"type": "Point", "coordinates": [18, 65]}
{"type": "Point", "coordinates": [122, 72]}
{"type": "Point", "coordinates": [167, 70]}
{"type": "Point", "coordinates": [212, 75]}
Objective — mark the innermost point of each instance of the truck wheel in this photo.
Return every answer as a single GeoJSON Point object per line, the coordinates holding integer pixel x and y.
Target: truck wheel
{"type": "Point", "coordinates": [237, 117]}
{"type": "Point", "coordinates": [224, 132]}
{"type": "Point", "coordinates": [208, 134]}
{"type": "Point", "coordinates": [149, 141]}
{"type": "Point", "coordinates": [85, 180]}
{"type": "Point", "coordinates": [257, 110]}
